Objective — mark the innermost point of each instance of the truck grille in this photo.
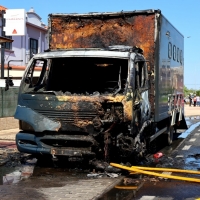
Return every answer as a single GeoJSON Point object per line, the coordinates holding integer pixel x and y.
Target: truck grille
{"type": "Point", "coordinates": [67, 116]}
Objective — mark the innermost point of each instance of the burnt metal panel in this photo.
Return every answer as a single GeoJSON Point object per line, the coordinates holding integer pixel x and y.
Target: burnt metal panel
{"type": "Point", "coordinates": [38, 122]}
{"type": "Point", "coordinates": [103, 30]}
{"type": "Point", "coordinates": [45, 144]}
{"type": "Point", "coordinates": [68, 112]}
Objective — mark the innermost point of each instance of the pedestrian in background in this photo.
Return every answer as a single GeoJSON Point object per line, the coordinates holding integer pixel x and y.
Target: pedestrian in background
{"type": "Point", "coordinates": [190, 99]}
{"type": "Point", "coordinates": [195, 100]}
{"type": "Point", "coordinates": [198, 100]}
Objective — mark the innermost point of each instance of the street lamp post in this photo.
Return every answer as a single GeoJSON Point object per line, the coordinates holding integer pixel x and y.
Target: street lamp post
{"type": "Point", "coordinates": [8, 79]}
{"type": "Point", "coordinates": [2, 46]}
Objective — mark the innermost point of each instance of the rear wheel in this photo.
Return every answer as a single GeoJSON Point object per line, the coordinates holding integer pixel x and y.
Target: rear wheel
{"type": "Point", "coordinates": [170, 134]}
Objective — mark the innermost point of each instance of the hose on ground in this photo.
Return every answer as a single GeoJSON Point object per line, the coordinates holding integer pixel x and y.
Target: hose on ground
{"type": "Point", "coordinates": [135, 169]}
{"type": "Point", "coordinates": [167, 170]}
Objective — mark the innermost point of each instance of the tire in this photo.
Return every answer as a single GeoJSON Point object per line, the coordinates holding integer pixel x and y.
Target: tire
{"type": "Point", "coordinates": [170, 134]}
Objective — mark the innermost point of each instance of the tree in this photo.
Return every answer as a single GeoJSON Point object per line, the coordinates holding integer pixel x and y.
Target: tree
{"type": "Point", "coordinates": [186, 91]}
{"type": "Point", "coordinates": [190, 91]}
{"type": "Point", "coordinates": [198, 92]}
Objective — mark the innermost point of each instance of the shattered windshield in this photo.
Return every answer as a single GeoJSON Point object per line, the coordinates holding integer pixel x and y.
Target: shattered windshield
{"type": "Point", "coordinates": [78, 75]}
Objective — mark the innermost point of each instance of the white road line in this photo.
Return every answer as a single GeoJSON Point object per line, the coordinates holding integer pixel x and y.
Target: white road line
{"type": "Point", "coordinates": [192, 139]}
{"type": "Point", "coordinates": [199, 130]}
{"type": "Point", "coordinates": [186, 147]}
{"type": "Point", "coordinates": [148, 197]}
{"type": "Point", "coordinates": [167, 173]}
{"type": "Point", "coordinates": [155, 198]}
{"type": "Point", "coordinates": [179, 156]}
{"type": "Point", "coordinates": [197, 134]}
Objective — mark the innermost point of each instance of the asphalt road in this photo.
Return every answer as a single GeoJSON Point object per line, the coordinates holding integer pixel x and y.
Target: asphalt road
{"type": "Point", "coordinates": [184, 156]}
{"type": "Point", "coordinates": [49, 183]}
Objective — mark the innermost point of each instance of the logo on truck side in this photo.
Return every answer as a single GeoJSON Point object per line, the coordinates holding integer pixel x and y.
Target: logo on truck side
{"type": "Point", "coordinates": [175, 53]}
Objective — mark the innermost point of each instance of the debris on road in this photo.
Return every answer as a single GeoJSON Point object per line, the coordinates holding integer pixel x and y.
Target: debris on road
{"type": "Point", "coordinates": [24, 171]}
{"type": "Point", "coordinates": [158, 155]}
{"type": "Point", "coordinates": [131, 181]}
{"type": "Point", "coordinates": [12, 178]}
{"type": "Point", "coordinates": [100, 175]}
{"type": "Point", "coordinates": [112, 175]}
{"type": "Point", "coordinates": [31, 161]}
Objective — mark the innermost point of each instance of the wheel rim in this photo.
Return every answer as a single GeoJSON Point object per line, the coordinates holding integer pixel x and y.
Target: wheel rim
{"type": "Point", "coordinates": [170, 134]}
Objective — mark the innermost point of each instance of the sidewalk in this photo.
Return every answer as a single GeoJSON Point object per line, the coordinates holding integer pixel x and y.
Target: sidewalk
{"type": "Point", "coordinates": [191, 110]}
{"type": "Point", "coordinates": [9, 134]}
{"type": "Point", "coordinates": [8, 123]}
{"type": "Point", "coordinates": [7, 139]}
{"type": "Point", "coordinates": [55, 188]}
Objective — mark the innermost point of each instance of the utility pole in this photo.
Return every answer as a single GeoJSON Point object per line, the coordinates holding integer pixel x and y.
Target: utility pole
{"type": "Point", "coordinates": [2, 45]}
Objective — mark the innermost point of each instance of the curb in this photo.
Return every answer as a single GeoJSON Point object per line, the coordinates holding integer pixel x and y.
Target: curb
{"type": "Point", "coordinates": [108, 188]}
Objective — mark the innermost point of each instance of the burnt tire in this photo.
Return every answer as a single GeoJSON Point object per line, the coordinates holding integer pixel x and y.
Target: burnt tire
{"type": "Point", "coordinates": [170, 134]}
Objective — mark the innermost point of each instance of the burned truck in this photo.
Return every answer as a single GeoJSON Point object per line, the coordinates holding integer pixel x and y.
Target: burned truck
{"type": "Point", "coordinates": [109, 85]}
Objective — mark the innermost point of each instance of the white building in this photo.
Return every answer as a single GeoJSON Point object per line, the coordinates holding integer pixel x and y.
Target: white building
{"type": "Point", "coordinates": [23, 47]}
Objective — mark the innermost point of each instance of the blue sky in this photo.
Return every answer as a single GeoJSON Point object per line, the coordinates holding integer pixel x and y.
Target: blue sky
{"type": "Point", "coordinates": [183, 14]}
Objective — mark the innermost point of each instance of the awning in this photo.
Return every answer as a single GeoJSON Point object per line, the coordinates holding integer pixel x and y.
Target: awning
{"type": "Point", "coordinates": [4, 39]}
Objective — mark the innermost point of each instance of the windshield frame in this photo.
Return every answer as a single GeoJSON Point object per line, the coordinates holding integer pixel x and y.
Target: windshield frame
{"type": "Point", "coordinates": [92, 54]}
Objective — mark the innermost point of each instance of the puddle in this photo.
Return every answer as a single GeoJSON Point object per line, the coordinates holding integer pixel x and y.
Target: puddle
{"type": "Point", "coordinates": [12, 175]}
{"type": "Point", "coordinates": [189, 130]}
{"type": "Point", "coordinates": [12, 178]}
{"type": "Point", "coordinates": [192, 120]}
{"type": "Point", "coordinates": [166, 189]}
{"type": "Point", "coordinates": [193, 162]}
{"type": "Point", "coordinates": [117, 194]}
{"type": "Point", "coordinates": [188, 123]}
{"type": "Point", "coordinates": [124, 191]}
{"type": "Point", "coordinates": [4, 170]}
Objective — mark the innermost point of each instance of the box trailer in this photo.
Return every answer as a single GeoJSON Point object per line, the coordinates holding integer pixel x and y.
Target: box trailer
{"type": "Point", "coordinates": [110, 84]}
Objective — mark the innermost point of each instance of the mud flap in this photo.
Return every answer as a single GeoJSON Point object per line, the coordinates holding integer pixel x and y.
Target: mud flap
{"type": "Point", "coordinates": [182, 124]}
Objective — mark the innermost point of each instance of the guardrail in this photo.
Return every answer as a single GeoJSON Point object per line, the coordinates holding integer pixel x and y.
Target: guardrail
{"type": "Point", "coordinates": [8, 101]}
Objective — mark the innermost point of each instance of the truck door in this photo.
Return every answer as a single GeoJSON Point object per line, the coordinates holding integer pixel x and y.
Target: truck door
{"type": "Point", "coordinates": [36, 76]}
{"type": "Point", "coordinates": [141, 100]}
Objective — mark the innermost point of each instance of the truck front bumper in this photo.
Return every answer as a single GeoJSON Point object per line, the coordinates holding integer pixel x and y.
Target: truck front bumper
{"type": "Point", "coordinates": [39, 143]}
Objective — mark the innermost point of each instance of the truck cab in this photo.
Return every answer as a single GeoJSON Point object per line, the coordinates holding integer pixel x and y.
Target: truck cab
{"type": "Point", "coordinates": [84, 102]}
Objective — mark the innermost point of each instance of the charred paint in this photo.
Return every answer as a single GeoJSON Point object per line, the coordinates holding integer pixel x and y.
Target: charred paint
{"type": "Point", "coordinates": [103, 31]}
{"type": "Point", "coordinates": [128, 107]}
{"type": "Point", "coordinates": [95, 106]}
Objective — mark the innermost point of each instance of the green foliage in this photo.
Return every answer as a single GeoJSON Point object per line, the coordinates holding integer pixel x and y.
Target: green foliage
{"type": "Point", "coordinates": [186, 91]}
{"type": "Point", "coordinates": [190, 91]}
{"type": "Point", "coordinates": [198, 92]}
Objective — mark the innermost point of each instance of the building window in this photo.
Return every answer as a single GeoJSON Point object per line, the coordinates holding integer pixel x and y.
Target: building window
{"type": "Point", "coordinates": [7, 45]}
{"type": "Point", "coordinates": [33, 47]}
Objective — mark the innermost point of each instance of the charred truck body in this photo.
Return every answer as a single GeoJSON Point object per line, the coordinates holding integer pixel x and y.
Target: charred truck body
{"type": "Point", "coordinates": [110, 83]}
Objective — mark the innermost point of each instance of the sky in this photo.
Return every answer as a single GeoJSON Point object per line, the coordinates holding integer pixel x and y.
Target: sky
{"type": "Point", "coordinates": [183, 14]}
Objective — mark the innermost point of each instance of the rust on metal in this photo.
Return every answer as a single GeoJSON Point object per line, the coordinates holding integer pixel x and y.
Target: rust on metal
{"type": "Point", "coordinates": [101, 32]}
{"type": "Point", "coordinates": [78, 104]}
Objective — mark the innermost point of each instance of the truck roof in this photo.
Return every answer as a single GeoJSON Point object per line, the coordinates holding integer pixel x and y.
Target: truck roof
{"type": "Point", "coordinates": [93, 14]}
{"type": "Point", "coordinates": [111, 14]}
{"type": "Point", "coordinates": [83, 53]}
